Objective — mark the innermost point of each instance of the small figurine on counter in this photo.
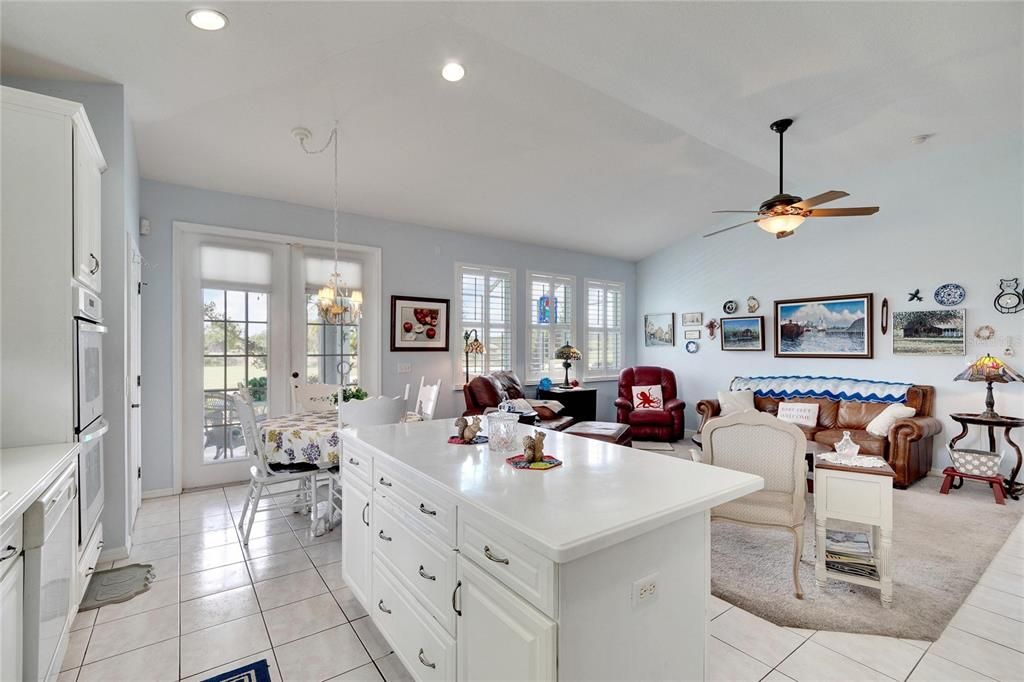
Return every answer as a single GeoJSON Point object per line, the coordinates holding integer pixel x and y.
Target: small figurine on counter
{"type": "Point", "coordinates": [467, 429]}
{"type": "Point", "coordinates": [533, 447]}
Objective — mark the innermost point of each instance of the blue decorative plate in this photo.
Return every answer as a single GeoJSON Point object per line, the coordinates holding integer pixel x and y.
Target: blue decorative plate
{"type": "Point", "coordinates": [692, 346]}
{"type": "Point", "coordinates": [950, 294]}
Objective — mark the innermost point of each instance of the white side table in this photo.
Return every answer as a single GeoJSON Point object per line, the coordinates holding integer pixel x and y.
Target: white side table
{"type": "Point", "coordinates": [862, 495]}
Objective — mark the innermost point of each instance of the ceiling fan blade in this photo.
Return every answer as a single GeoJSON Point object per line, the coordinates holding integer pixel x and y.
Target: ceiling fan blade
{"type": "Point", "coordinates": [823, 198]}
{"type": "Point", "coordinates": [838, 212]}
{"type": "Point", "coordinates": [734, 211]}
{"type": "Point", "coordinates": [726, 229]}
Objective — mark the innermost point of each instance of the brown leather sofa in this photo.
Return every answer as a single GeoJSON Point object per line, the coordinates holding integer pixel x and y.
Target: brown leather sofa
{"type": "Point", "coordinates": [907, 448]}
{"type": "Point", "coordinates": [490, 390]}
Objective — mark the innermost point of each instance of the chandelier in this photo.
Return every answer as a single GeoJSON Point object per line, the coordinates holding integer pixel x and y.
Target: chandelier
{"type": "Point", "coordinates": [336, 301]}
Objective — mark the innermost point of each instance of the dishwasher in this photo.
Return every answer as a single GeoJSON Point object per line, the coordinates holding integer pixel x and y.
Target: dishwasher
{"type": "Point", "coordinates": [50, 543]}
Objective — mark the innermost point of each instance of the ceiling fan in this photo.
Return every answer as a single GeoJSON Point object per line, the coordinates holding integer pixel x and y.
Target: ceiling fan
{"type": "Point", "coordinates": [783, 213]}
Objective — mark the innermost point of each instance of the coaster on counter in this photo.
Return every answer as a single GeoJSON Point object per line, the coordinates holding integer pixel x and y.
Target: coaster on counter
{"type": "Point", "coordinates": [477, 440]}
{"type": "Point", "coordinates": [519, 462]}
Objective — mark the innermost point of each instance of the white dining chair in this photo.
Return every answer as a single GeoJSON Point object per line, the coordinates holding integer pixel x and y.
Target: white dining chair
{"type": "Point", "coordinates": [314, 397]}
{"type": "Point", "coordinates": [426, 401]}
{"type": "Point", "coordinates": [263, 474]}
{"type": "Point", "coordinates": [368, 412]}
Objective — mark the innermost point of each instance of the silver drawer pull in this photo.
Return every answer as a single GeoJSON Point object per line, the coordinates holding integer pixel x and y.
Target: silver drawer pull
{"type": "Point", "coordinates": [382, 536]}
{"type": "Point", "coordinates": [425, 662]}
{"type": "Point", "coordinates": [366, 521]}
{"type": "Point", "coordinates": [380, 605]}
{"type": "Point", "coordinates": [352, 461]}
{"type": "Point", "coordinates": [10, 551]}
{"type": "Point", "coordinates": [383, 482]}
{"type": "Point", "coordinates": [425, 575]}
{"type": "Point", "coordinates": [495, 559]}
{"type": "Point", "coordinates": [428, 512]}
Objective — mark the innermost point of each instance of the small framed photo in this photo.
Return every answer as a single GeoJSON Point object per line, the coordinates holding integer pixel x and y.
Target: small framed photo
{"type": "Point", "coordinates": [660, 329]}
{"type": "Point", "coordinates": [419, 324]}
{"type": "Point", "coordinates": [692, 319]}
{"type": "Point", "coordinates": [742, 333]}
{"type": "Point", "coordinates": [691, 334]}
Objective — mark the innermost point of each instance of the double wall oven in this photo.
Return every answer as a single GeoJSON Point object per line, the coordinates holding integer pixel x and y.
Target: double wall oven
{"type": "Point", "coordinates": [89, 422]}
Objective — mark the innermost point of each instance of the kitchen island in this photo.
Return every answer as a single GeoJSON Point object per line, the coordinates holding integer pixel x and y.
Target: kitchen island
{"type": "Point", "coordinates": [594, 570]}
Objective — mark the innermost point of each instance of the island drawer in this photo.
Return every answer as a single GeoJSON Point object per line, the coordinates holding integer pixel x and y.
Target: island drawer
{"type": "Point", "coordinates": [423, 499]}
{"type": "Point", "coordinates": [426, 566]}
{"type": "Point", "coordinates": [523, 570]}
{"type": "Point", "coordinates": [356, 464]}
{"type": "Point", "coordinates": [427, 651]}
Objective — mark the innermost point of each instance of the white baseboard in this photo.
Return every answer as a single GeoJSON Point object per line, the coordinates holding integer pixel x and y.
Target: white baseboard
{"type": "Point", "coordinates": [159, 492]}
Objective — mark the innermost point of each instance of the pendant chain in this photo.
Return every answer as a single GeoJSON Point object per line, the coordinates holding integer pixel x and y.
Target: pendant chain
{"type": "Point", "coordinates": [337, 190]}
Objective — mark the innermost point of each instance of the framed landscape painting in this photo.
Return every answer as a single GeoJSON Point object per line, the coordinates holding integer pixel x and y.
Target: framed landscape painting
{"type": "Point", "coordinates": [929, 332]}
{"type": "Point", "coordinates": [660, 329]}
{"type": "Point", "coordinates": [742, 333]}
{"type": "Point", "coordinates": [825, 327]}
{"type": "Point", "coordinates": [419, 324]}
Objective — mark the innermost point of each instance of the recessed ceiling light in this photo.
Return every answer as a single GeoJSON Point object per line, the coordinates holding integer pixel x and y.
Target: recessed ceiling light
{"type": "Point", "coordinates": [453, 72]}
{"type": "Point", "coordinates": [207, 19]}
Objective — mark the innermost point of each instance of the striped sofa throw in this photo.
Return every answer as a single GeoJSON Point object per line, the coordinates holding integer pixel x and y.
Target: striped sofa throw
{"type": "Point", "coordinates": [833, 388]}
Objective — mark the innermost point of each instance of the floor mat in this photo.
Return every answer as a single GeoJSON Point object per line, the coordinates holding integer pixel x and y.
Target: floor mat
{"type": "Point", "coordinates": [116, 585]}
{"type": "Point", "coordinates": [257, 671]}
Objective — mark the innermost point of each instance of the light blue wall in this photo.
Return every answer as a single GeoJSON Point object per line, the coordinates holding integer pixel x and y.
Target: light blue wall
{"type": "Point", "coordinates": [417, 261]}
{"type": "Point", "coordinates": [105, 106]}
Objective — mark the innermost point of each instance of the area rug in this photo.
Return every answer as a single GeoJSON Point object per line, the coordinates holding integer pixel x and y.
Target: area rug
{"type": "Point", "coordinates": [116, 585]}
{"type": "Point", "coordinates": [941, 546]}
{"type": "Point", "coordinates": [652, 445]}
{"type": "Point", "coordinates": [257, 671]}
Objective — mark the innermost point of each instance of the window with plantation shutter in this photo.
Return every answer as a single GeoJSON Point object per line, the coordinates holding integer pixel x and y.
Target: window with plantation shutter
{"type": "Point", "coordinates": [550, 307]}
{"type": "Point", "coordinates": [484, 303]}
{"type": "Point", "coordinates": [604, 351]}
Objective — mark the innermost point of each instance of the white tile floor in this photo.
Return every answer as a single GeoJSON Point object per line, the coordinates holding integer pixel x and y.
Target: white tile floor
{"type": "Point", "coordinates": [216, 606]}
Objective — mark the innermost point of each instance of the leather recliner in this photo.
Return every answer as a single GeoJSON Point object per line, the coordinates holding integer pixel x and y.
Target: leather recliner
{"type": "Point", "coordinates": [490, 390]}
{"type": "Point", "coordinates": [665, 424]}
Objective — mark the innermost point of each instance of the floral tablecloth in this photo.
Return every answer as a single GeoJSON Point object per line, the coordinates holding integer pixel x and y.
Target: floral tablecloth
{"type": "Point", "coordinates": [312, 437]}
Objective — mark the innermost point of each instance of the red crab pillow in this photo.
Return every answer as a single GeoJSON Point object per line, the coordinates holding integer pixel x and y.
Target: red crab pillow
{"type": "Point", "coordinates": [648, 398]}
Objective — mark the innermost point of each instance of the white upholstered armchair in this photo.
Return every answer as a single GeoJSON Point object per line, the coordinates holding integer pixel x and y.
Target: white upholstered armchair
{"type": "Point", "coordinates": [760, 444]}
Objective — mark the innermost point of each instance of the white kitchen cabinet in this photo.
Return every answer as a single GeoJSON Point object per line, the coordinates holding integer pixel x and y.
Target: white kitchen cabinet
{"type": "Point", "coordinates": [355, 528]}
{"type": "Point", "coordinates": [12, 589]}
{"type": "Point", "coordinates": [87, 169]}
{"type": "Point", "coordinates": [500, 636]}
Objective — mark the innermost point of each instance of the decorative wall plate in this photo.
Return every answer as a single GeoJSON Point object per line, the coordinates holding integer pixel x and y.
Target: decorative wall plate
{"type": "Point", "coordinates": [752, 304]}
{"type": "Point", "coordinates": [692, 346]}
{"type": "Point", "coordinates": [985, 333]}
{"type": "Point", "coordinates": [730, 307]}
{"type": "Point", "coordinates": [950, 294]}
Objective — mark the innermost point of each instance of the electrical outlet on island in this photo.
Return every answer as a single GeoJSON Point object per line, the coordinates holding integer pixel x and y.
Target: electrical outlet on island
{"type": "Point", "coordinates": [645, 590]}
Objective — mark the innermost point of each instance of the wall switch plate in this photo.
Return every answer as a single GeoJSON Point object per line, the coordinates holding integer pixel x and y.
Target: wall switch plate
{"type": "Point", "coordinates": [144, 226]}
{"type": "Point", "coordinates": [404, 367]}
{"type": "Point", "coordinates": [645, 590]}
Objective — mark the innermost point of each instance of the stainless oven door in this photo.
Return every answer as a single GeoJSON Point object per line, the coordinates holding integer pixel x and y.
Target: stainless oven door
{"type": "Point", "coordinates": [90, 479]}
{"type": "Point", "coordinates": [88, 372]}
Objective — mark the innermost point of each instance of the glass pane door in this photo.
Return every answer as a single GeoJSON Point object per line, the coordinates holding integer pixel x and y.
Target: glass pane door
{"type": "Point", "coordinates": [235, 351]}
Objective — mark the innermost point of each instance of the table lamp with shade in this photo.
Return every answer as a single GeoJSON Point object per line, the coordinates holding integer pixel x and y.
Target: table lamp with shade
{"type": "Point", "coordinates": [566, 354]}
{"type": "Point", "coordinates": [473, 347]}
{"type": "Point", "coordinates": [990, 370]}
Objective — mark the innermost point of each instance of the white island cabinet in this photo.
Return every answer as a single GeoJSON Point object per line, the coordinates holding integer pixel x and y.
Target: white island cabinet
{"type": "Point", "coordinates": [473, 570]}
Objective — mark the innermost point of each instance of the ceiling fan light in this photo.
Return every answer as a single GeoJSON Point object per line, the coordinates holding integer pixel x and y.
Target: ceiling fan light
{"type": "Point", "coordinates": [780, 223]}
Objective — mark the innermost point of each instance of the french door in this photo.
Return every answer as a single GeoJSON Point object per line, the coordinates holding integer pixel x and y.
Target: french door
{"type": "Point", "coordinates": [248, 318]}
{"type": "Point", "coordinates": [235, 315]}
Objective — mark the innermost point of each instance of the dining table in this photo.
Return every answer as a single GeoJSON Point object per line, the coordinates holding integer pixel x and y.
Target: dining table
{"type": "Point", "coordinates": [309, 437]}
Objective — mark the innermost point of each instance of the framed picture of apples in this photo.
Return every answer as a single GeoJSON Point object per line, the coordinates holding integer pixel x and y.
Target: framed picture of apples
{"type": "Point", "coordinates": [419, 323]}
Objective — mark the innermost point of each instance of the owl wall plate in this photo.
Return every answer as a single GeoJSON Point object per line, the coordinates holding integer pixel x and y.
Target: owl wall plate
{"type": "Point", "coordinates": [1009, 300]}
{"type": "Point", "coordinates": [950, 295]}
{"type": "Point", "coordinates": [730, 307]}
{"type": "Point", "coordinates": [692, 346]}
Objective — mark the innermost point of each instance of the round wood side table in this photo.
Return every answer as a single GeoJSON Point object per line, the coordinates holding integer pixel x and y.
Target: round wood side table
{"type": "Point", "coordinates": [1012, 487]}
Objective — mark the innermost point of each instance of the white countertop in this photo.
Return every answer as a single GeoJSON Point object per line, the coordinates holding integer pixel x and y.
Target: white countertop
{"type": "Point", "coordinates": [25, 473]}
{"type": "Point", "coordinates": [602, 494]}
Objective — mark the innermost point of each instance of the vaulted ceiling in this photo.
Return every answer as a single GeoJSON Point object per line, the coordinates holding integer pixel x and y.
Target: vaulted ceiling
{"type": "Point", "coordinates": [611, 128]}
